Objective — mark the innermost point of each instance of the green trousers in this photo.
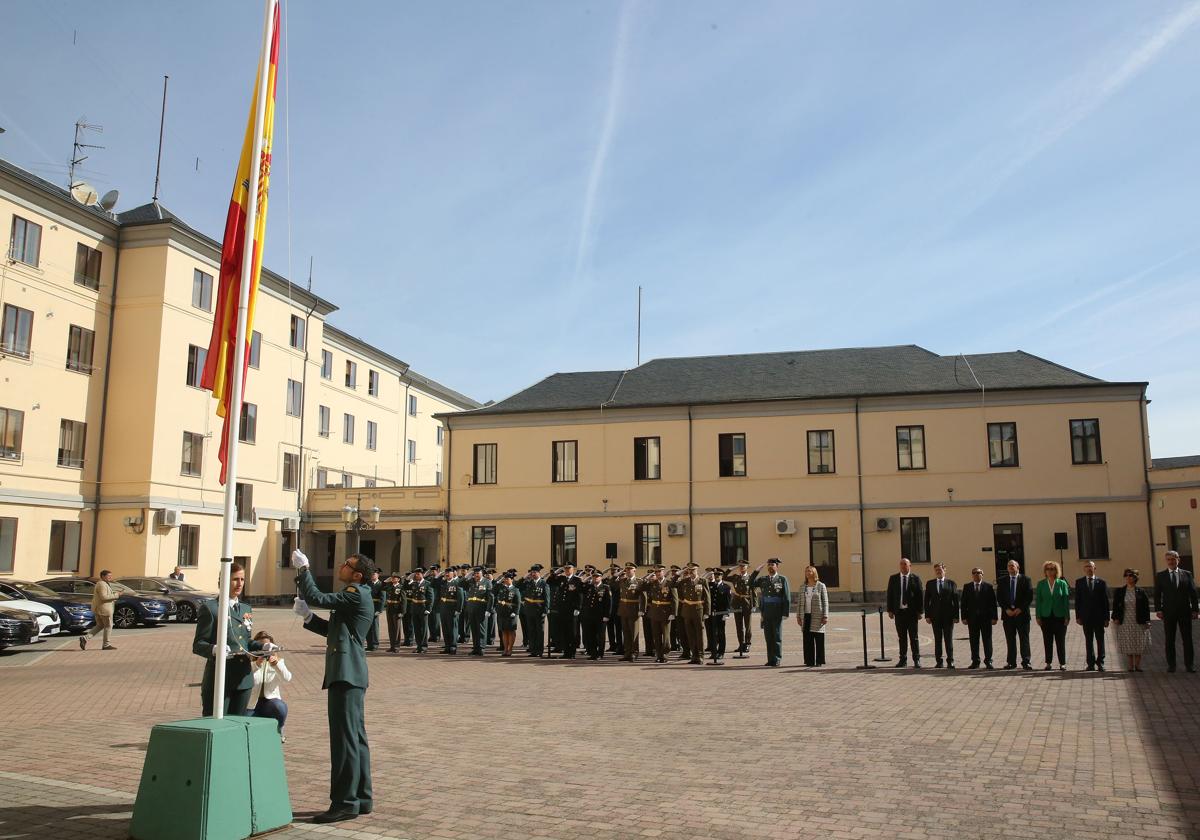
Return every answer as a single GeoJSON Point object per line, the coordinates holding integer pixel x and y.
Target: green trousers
{"type": "Point", "coordinates": [349, 753]}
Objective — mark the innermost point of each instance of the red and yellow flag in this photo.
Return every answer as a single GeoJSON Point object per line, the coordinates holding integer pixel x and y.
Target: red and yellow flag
{"type": "Point", "coordinates": [218, 366]}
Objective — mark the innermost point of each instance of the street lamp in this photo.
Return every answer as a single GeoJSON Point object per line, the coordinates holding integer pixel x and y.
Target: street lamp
{"type": "Point", "coordinates": [356, 523]}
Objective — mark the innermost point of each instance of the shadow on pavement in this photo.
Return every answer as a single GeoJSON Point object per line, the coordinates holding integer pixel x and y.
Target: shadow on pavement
{"type": "Point", "coordinates": [40, 821]}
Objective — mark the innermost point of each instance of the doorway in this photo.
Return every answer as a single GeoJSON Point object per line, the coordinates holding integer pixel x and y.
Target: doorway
{"type": "Point", "coordinates": [1179, 538]}
{"type": "Point", "coordinates": [1008, 543]}
{"type": "Point", "coordinates": [823, 553]}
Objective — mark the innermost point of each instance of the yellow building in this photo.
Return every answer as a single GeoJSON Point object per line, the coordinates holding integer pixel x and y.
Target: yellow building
{"type": "Point", "coordinates": [108, 447]}
{"type": "Point", "coordinates": [1175, 499]}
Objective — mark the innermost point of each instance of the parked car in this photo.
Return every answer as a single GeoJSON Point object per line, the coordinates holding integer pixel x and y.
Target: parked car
{"type": "Point", "coordinates": [186, 597]}
{"type": "Point", "coordinates": [46, 617]}
{"type": "Point", "coordinates": [17, 627]}
{"type": "Point", "coordinates": [74, 611]}
{"type": "Point", "coordinates": [130, 608]}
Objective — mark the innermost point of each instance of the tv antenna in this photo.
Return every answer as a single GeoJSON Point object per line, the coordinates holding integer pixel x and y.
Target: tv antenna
{"type": "Point", "coordinates": [77, 155]}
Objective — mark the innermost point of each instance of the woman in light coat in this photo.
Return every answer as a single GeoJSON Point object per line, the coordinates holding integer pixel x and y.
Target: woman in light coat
{"type": "Point", "coordinates": [812, 617]}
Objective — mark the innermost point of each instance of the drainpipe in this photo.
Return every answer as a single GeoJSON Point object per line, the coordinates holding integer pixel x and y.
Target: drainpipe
{"type": "Point", "coordinates": [1142, 403]}
{"type": "Point", "coordinates": [404, 437]}
{"type": "Point", "coordinates": [862, 530]}
{"type": "Point", "coordinates": [691, 535]}
{"type": "Point", "coordinates": [448, 477]}
{"type": "Point", "coordinates": [112, 319]}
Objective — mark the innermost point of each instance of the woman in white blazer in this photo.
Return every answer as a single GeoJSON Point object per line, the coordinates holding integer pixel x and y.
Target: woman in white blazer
{"type": "Point", "coordinates": [270, 673]}
{"type": "Point", "coordinates": [812, 617]}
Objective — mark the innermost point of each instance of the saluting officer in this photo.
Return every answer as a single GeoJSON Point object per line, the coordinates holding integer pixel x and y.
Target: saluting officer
{"type": "Point", "coordinates": [741, 605]}
{"type": "Point", "coordinates": [595, 611]}
{"type": "Point", "coordinates": [239, 678]}
{"type": "Point", "coordinates": [419, 601]}
{"type": "Point", "coordinates": [631, 606]}
{"type": "Point", "coordinates": [451, 601]}
{"type": "Point", "coordinates": [775, 604]}
{"type": "Point", "coordinates": [535, 601]}
{"type": "Point", "coordinates": [660, 609]}
{"type": "Point", "coordinates": [434, 578]}
{"type": "Point", "coordinates": [722, 598]}
{"type": "Point", "coordinates": [676, 625]}
{"type": "Point", "coordinates": [508, 609]}
{"type": "Point", "coordinates": [489, 622]}
{"type": "Point", "coordinates": [616, 641]}
{"type": "Point", "coordinates": [479, 604]}
{"type": "Point", "coordinates": [375, 587]}
{"type": "Point", "coordinates": [565, 611]}
{"type": "Point", "coordinates": [393, 600]}
{"type": "Point", "coordinates": [695, 605]}
{"type": "Point", "coordinates": [351, 613]}
{"type": "Point", "coordinates": [464, 619]}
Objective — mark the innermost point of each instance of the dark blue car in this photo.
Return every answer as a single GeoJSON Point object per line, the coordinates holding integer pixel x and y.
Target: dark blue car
{"type": "Point", "coordinates": [74, 611]}
{"type": "Point", "coordinates": [130, 608]}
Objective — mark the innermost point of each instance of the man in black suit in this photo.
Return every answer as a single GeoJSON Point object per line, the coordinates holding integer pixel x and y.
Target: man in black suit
{"type": "Point", "coordinates": [904, 605]}
{"type": "Point", "coordinates": [1091, 613]}
{"type": "Point", "coordinates": [1014, 592]}
{"type": "Point", "coordinates": [1176, 604]}
{"type": "Point", "coordinates": [979, 614]}
{"type": "Point", "coordinates": [941, 611]}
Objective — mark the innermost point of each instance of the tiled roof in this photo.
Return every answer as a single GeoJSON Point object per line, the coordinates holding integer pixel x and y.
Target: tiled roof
{"type": "Point", "coordinates": [1176, 463]}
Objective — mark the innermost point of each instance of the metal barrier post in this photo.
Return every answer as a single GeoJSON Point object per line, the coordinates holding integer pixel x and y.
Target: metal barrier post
{"type": "Point", "coordinates": [883, 657]}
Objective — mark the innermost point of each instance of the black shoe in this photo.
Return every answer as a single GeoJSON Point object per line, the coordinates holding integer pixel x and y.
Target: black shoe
{"type": "Point", "coordinates": [695, 662]}
{"type": "Point", "coordinates": [900, 664]}
{"type": "Point", "coordinates": [1009, 667]}
{"type": "Point", "coordinates": [1027, 667]}
{"type": "Point", "coordinates": [916, 663]}
{"type": "Point", "coordinates": [365, 808]}
{"type": "Point", "coordinates": [989, 667]}
{"type": "Point", "coordinates": [371, 648]}
{"type": "Point", "coordinates": [334, 815]}
{"type": "Point", "coordinates": [662, 659]}
{"type": "Point", "coordinates": [393, 650]}
{"type": "Point", "coordinates": [1099, 667]}
{"type": "Point", "coordinates": [1092, 668]}
{"type": "Point", "coordinates": [950, 665]}
{"type": "Point", "coordinates": [972, 666]}
{"type": "Point", "coordinates": [1062, 667]}
{"type": "Point", "coordinates": [938, 664]}
{"type": "Point", "coordinates": [1170, 669]}
{"type": "Point", "coordinates": [1048, 667]}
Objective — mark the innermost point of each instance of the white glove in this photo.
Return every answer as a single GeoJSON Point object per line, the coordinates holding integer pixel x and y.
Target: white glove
{"type": "Point", "coordinates": [605, 619]}
{"type": "Point", "coordinates": [576, 612]}
{"type": "Point", "coordinates": [270, 646]}
{"type": "Point", "coordinates": [302, 609]}
{"type": "Point", "coordinates": [299, 561]}
{"type": "Point", "coordinates": [213, 653]}
{"type": "Point", "coordinates": [426, 612]}
{"type": "Point", "coordinates": [641, 615]}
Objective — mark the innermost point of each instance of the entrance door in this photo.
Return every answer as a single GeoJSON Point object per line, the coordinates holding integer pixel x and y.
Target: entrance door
{"type": "Point", "coordinates": [1008, 543]}
{"type": "Point", "coordinates": [1179, 538]}
{"type": "Point", "coordinates": [823, 553]}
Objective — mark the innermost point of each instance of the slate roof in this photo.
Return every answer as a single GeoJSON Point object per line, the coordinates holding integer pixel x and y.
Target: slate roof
{"type": "Point", "coordinates": [1175, 463]}
{"type": "Point", "coordinates": [798, 375]}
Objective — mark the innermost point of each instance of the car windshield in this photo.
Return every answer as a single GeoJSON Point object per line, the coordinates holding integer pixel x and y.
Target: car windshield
{"type": "Point", "coordinates": [36, 590]}
{"type": "Point", "coordinates": [120, 587]}
{"type": "Point", "coordinates": [177, 585]}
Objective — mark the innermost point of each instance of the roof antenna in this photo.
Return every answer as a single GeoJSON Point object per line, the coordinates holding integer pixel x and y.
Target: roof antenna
{"type": "Point", "coordinates": [162, 119]}
{"type": "Point", "coordinates": [982, 390]}
{"type": "Point", "coordinates": [81, 125]}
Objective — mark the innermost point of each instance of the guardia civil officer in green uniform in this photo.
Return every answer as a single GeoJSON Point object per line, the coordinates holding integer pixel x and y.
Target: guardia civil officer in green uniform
{"type": "Point", "coordinates": [239, 678]}
{"type": "Point", "coordinates": [775, 604]}
{"type": "Point", "coordinates": [351, 613]}
{"type": "Point", "coordinates": [479, 605]}
{"type": "Point", "coordinates": [535, 602]}
{"type": "Point", "coordinates": [419, 600]}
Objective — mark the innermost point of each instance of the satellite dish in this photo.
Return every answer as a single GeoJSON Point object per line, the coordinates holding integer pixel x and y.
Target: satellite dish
{"type": "Point", "coordinates": [109, 200]}
{"type": "Point", "coordinates": [85, 194]}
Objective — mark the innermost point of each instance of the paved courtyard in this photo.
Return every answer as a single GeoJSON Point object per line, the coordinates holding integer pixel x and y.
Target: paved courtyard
{"type": "Point", "coordinates": [493, 748]}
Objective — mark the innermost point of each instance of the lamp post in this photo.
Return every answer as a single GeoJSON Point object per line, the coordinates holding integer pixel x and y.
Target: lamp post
{"type": "Point", "coordinates": [355, 522]}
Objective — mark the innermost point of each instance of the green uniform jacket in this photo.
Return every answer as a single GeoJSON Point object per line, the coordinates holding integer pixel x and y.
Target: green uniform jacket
{"type": "Point", "coordinates": [393, 597]}
{"type": "Point", "coordinates": [631, 598]}
{"type": "Point", "coordinates": [351, 612]}
{"type": "Point", "coordinates": [479, 596]}
{"type": "Point", "coordinates": [776, 596]}
{"type": "Point", "coordinates": [452, 598]}
{"type": "Point", "coordinates": [241, 619]}
{"type": "Point", "coordinates": [661, 602]}
{"type": "Point", "coordinates": [416, 593]}
{"type": "Point", "coordinates": [535, 596]}
{"type": "Point", "coordinates": [1053, 603]}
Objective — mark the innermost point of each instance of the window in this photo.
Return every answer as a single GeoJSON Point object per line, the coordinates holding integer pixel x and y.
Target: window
{"type": "Point", "coordinates": [823, 553]}
{"type": "Point", "coordinates": [295, 398]}
{"type": "Point", "coordinates": [87, 266]}
{"type": "Point", "coordinates": [195, 364]}
{"type": "Point", "coordinates": [248, 424]}
{"type": "Point", "coordinates": [370, 482]}
{"type": "Point", "coordinates": [412, 452]}
{"type": "Point", "coordinates": [296, 338]}
{"type": "Point", "coordinates": [18, 331]}
{"type": "Point", "coordinates": [347, 428]}
{"type": "Point", "coordinates": [1002, 445]}
{"type": "Point", "coordinates": [910, 447]}
{"type": "Point", "coordinates": [412, 405]}
{"type": "Point", "coordinates": [647, 543]}
{"type": "Point", "coordinates": [351, 374]}
{"type": "Point", "coordinates": [914, 538]}
{"type": "Point", "coordinates": [347, 480]}
{"type": "Point", "coordinates": [202, 290]}
{"type": "Point", "coordinates": [565, 466]}
{"type": "Point", "coordinates": [372, 435]}
{"type": "Point", "coordinates": [255, 348]}
{"type": "Point", "coordinates": [437, 478]}
{"type": "Point", "coordinates": [291, 470]}
{"type": "Point", "coordinates": [439, 434]}
{"type": "Point", "coordinates": [12, 427]}
{"type": "Point", "coordinates": [64, 546]}
{"type": "Point", "coordinates": [322, 480]}
{"type": "Point", "coordinates": [1085, 441]}
{"type": "Point", "coordinates": [192, 459]}
{"type": "Point", "coordinates": [485, 463]}
{"type": "Point", "coordinates": [562, 545]}
{"type": "Point", "coordinates": [71, 437]}
{"type": "Point", "coordinates": [189, 546]}
{"type": "Point", "coordinates": [1092, 530]}
{"type": "Point", "coordinates": [25, 243]}
{"type": "Point", "coordinates": [373, 383]}
{"type": "Point", "coordinates": [483, 545]}
{"type": "Point", "coordinates": [79, 349]}
{"type": "Point", "coordinates": [8, 543]}
{"type": "Point", "coordinates": [731, 452]}
{"type": "Point", "coordinates": [287, 544]}
{"type": "Point", "coordinates": [326, 365]}
{"type": "Point", "coordinates": [243, 496]}
{"type": "Point", "coordinates": [647, 458]}
{"type": "Point", "coordinates": [734, 543]}
{"type": "Point", "coordinates": [820, 452]}
{"type": "Point", "coordinates": [323, 420]}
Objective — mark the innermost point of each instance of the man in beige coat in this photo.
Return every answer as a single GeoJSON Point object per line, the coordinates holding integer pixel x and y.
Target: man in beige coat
{"type": "Point", "coordinates": [104, 597]}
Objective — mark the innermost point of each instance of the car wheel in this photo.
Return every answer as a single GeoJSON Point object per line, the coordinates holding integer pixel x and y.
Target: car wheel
{"type": "Point", "coordinates": [187, 613]}
{"type": "Point", "coordinates": [124, 617]}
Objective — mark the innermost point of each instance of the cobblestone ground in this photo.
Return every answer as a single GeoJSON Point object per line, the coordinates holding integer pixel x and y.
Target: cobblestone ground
{"type": "Point", "coordinates": [493, 748]}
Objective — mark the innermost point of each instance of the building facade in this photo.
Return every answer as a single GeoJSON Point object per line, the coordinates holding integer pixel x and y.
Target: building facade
{"type": "Point", "coordinates": [1174, 513]}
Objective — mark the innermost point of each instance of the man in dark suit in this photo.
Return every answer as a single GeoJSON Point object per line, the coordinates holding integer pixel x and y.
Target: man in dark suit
{"type": "Point", "coordinates": [941, 611]}
{"type": "Point", "coordinates": [979, 614]}
{"type": "Point", "coordinates": [1176, 604]}
{"type": "Point", "coordinates": [1014, 592]}
{"type": "Point", "coordinates": [1091, 613]}
{"type": "Point", "coordinates": [904, 605]}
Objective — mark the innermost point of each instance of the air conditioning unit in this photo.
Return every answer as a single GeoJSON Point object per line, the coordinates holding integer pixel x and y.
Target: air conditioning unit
{"type": "Point", "coordinates": [676, 529]}
{"type": "Point", "coordinates": [883, 524]}
{"type": "Point", "coordinates": [290, 523]}
{"type": "Point", "coordinates": [785, 526]}
{"type": "Point", "coordinates": [169, 518]}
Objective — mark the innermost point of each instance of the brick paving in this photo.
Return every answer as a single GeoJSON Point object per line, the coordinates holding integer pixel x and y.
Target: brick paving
{"type": "Point", "coordinates": [598, 750]}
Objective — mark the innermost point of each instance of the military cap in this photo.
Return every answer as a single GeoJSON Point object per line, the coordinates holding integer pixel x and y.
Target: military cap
{"type": "Point", "coordinates": [631, 565]}
{"type": "Point", "coordinates": [508, 575]}
{"type": "Point", "coordinates": [489, 571]}
{"type": "Point", "coordinates": [434, 567]}
{"type": "Point", "coordinates": [775, 560]}
{"type": "Point", "coordinates": [597, 573]}
{"type": "Point", "coordinates": [419, 569]}
{"type": "Point", "coordinates": [536, 567]}
{"type": "Point", "coordinates": [674, 568]}
{"type": "Point", "coordinates": [718, 573]}
{"type": "Point", "coordinates": [614, 566]}
{"type": "Point", "coordinates": [659, 567]}
{"type": "Point", "coordinates": [693, 565]}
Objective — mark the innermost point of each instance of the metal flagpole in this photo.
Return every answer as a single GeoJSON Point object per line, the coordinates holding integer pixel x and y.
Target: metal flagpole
{"type": "Point", "coordinates": [235, 400]}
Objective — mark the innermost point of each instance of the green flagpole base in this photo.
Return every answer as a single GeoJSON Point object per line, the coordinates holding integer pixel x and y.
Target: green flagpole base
{"type": "Point", "coordinates": [212, 779]}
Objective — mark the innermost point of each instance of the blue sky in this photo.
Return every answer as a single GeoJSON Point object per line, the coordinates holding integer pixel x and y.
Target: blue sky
{"type": "Point", "coordinates": [483, 186]}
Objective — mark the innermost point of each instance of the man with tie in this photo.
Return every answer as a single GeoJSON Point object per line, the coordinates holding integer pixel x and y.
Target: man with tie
{"type": "Point", "coordinates": [1091, 613]}
{"type": "Point", "coordinates": [1015, 594]}
{"type": "Point", "coordinates": [979, 614]}
{"type": "Point", "coordinates": [904, 606]}
{"type": "Point", "coordinates": [1176, 604]}
{"type": "Point", "coordinates": [941, 611]}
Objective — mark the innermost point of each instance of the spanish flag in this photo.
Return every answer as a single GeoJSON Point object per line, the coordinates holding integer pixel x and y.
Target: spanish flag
{"type": "Point", "coordinates": [218, 366]}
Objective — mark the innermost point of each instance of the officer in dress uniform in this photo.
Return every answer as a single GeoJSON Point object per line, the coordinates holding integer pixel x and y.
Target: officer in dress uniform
{"type": "Point", "coordinates": [535, 601]}
{"type": "Point", "coordinates": [775, 604]}
{"type": "Point", "coordinates": [489, 575]}
{"type": "Point", "coordinates": [660, 609]}
{"type": "Point", "coordinates": [631, 606]}
{"type": "Point", "coordinates": [464, 620]}
{"type": "Point", "coordinates": [647, 630]}
{"type": "Point", "coordinates": [419, 601]}
{"type": "Point", "coordinates": [722, 599]}
{"type": "Point", "coordinates": [479, 604]}
{"type": "Point", "coordinates": [595, 614]}
{"type": "Point", "coordinates": [351, 613]}
{"type": "Point", "coordinates": [239, 678]}
{"type": "Point", "coordinates": [375, 585]}
{"type": "Point", "coordinates": [742, 605]}
{"type": "Point", "coordinates": [434, 578]}
{"type": "Point", "coordinates": [393, 603]}
{"type": "Point", "coordinates": [565, 611]}
{"type": "Point", "coordinates": [616, 641]}
{"type": "Point", "coordinates": [451, 601]}
{"type": "Point", "coordinates": [508, 609]}
{"type": "Point", "coordinates": [695, 605]}
{"type": "Point", "coordinates": [676, 625]}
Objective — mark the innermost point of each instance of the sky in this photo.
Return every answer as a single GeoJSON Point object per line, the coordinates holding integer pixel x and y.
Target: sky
{"type": "Point", "coordinates": [482, 187]}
